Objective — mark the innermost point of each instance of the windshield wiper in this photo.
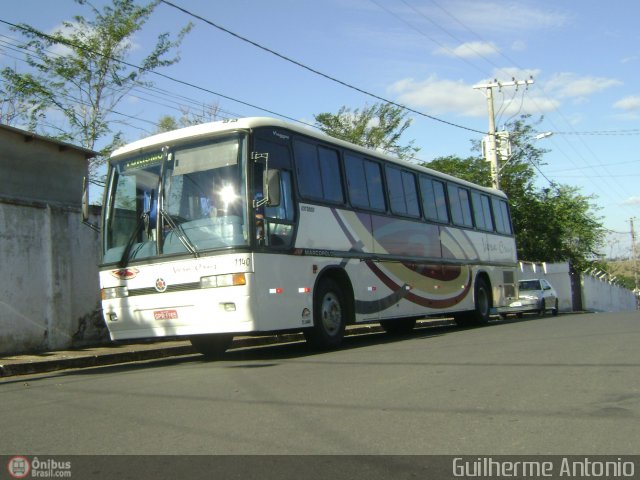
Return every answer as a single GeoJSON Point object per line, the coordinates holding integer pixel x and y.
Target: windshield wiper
{"type": "Point", "coordinates": [142, 220]}
{"type": "Point", "coordinates": [182, 236]}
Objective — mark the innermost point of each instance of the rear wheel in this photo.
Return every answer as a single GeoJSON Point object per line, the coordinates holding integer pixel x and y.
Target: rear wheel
{"type": "Point", "coordinates": [213, 345]}
{"type": "Point", "coordinates": [329, 316]}
{"type": "Point", "coordinates": [481, 313]}
{"type": "Point", "coordinates": [554, 312]}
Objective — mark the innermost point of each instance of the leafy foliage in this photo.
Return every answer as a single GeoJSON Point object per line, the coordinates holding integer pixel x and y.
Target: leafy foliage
{"type": "Point", "coordinates": [378, 127]}
{"type": "Point", "coordinates": [624, 271]}
{"type": "Point", "coordinates": [80, 74]}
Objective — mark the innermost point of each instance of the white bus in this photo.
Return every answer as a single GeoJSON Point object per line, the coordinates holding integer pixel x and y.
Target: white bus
{"type": "Point", "coordinates": [257, 225]}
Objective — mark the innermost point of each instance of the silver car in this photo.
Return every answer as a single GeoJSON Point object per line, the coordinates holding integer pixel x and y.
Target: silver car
{"type": "Point", "coordinates": [536, 295]}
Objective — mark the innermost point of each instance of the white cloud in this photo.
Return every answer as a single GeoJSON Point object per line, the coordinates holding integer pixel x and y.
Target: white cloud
{"type": "Point", "coordinates": [441, 96]}
{"type": "Point", "coordinates": [500, 16]}
{"type": "Point", "coordinates": [469, 50]}
{"type": "Point", "coordinates": [632, 201]}
{"type": "Point", "coordinates": [630, 104]}
{"type": "Point", "coordinates": [570, 85]}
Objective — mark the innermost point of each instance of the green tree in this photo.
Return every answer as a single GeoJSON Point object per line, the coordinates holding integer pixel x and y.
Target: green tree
{"type": "Point", "coordinates": [86, 81]}
{"type": "Point", "coordinates": [472, 169]}
{"type": "Point", "coordinates": [379, 127]}
{"type": "Point", "coordinates": [166, 124]}
{"type": "Point", "coordinates": [567, 228]}
{"type": "Point", "coordinates": [552, 224]}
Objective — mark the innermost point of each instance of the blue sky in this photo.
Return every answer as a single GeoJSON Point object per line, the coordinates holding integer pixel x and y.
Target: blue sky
{"type": "Point", "coordinates": [426, 54]}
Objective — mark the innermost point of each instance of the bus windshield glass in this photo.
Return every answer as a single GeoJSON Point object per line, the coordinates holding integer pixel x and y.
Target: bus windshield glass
{"type": "Point", "coordinates": [188, 199]}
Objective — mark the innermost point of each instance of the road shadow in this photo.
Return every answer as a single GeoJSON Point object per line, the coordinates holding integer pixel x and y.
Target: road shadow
{"type": "Point", "coordinates": [262, 356]}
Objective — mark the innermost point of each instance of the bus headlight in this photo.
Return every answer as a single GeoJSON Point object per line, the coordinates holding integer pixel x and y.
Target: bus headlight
{"type": "Point", "coordinates": [228, 280]}
{"type": "Point", "coordinates": [114, 292]}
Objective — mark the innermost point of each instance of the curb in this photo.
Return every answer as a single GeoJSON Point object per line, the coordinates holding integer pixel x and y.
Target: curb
{"type": "Point", "coordinates": [133, 355]}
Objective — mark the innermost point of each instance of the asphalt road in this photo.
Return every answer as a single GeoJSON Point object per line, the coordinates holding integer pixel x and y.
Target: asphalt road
{"type": "Point", "coordinates": [554, 385]}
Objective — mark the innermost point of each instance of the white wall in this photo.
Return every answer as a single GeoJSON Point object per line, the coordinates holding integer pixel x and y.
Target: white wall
{"type": "Point", "coordinates": [601, 296]}
{"type": "Point", "coordinates": [597, 295]}
{"type": "Point", "coordinates": [49, 289]}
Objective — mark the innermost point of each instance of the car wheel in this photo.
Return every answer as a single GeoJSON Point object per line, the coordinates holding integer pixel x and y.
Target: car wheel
{"type": "Point", "coordinates": [554, 312]}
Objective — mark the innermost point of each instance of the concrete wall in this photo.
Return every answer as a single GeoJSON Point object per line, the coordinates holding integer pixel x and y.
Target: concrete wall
{"type": "Point", "coordinates": [49, 291]}
{"type": "Point", "coordinates": [601, 296]}
{"type": "Point", "coordinates": [597, 295]}
{"type": "Point", "coordinates": [33, 168]}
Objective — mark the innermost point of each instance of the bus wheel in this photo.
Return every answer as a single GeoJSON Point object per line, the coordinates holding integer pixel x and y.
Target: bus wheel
{"type": "Point", "coordinates": [329, 316]}
{"type": "Point", "coordinates": [483, 302]}
{"type": "Point", "coordinates": [399, 326]}
{"type": "Point", "coordinates": [480, 314]}
{"type": "Point", "coordinates": [212, 345]}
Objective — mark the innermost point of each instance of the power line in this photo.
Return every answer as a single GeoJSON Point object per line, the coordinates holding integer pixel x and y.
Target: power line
{"type": "Point", "coordinates": [181, 103]}
{"type": "Point", "coordinates": [143, 69]}
{"type": "Point", "coordinates": [533, 100]}
{"type": "Point", "coordinates": [317, 72]}
{"type": "Point", "coordinates": [634, 131]}
{"type": "Point", "coordinates": [615, 164]}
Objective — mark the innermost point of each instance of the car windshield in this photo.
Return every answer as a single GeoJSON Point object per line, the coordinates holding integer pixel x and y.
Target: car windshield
{"type": "Point", "coordinates": [530, 285]}
{"type": "Point", "coordinates": [194, 202]}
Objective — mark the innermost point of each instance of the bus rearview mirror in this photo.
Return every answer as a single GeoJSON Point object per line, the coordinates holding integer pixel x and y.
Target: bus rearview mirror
{"type": "Point", "coordinates": [272, 187]}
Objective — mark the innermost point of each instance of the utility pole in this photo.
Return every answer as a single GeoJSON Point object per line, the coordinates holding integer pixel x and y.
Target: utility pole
{"type": "Point", "coordinates": [491, 152]}
{"type": "Point", "coordinates": [634, 255]}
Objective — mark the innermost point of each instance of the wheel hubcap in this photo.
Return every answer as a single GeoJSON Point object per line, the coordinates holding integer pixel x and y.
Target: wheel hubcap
{"type": "Point", "coordinates": [331, 314]}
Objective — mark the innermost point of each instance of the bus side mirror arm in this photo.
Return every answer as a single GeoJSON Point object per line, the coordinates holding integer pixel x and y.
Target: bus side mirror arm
{"type": "Point", "coordinates": [85, 206]}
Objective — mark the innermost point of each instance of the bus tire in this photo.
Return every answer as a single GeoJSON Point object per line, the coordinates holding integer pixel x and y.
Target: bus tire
{"type": "Point", "coordinates": [483, 302]}
{"type": "Point", "coordinates": [329, 316]}
{"type": "Point", "coordinates": [482, 309]}
{"type": "Point", "coordinates": [212, 345]}
{"type": "Point", "coordinates": [399, 326]}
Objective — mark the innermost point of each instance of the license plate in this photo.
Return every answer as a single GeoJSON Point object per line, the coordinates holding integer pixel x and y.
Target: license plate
{"type": "Point", "coordinates": [516, 304]}
{"type": "Point", "coordinates": [165, 314]}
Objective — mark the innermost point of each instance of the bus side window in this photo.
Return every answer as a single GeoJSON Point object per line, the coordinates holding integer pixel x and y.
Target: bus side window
{"type": "Point", "coordinates": [460, 207]}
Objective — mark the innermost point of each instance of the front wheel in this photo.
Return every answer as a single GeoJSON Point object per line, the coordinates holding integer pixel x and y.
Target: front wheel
{"type": "Point", "coordinates": [329, 316]}
{"type": "Point", "coordinates": [541, 307]}
{"type": "Point", "coordinates": [212, 345]}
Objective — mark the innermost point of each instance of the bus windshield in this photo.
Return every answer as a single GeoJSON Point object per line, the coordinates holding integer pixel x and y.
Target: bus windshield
{"type": "Point", "coordinates": [188, 199]}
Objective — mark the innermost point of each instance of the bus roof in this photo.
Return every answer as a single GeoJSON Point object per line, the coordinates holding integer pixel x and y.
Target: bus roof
{"type": "Point", "coordinates": [205, 130]}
